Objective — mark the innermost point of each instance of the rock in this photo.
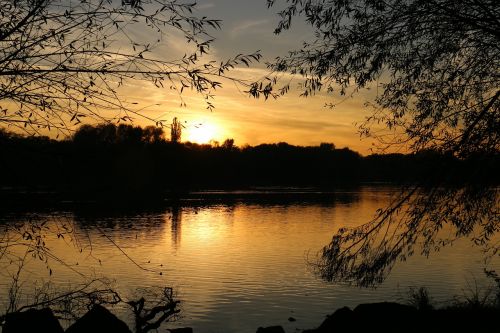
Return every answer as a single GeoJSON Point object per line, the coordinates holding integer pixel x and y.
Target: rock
{"type": "Point", "coordinates": [340, 320]}
{"type": "Point", "coordinates": [98, 320]}
{"type": "Point", "coordinates": [181, 330]}
{"type": "Point", "coordinates": [291, 319]}
{"type": "Point", "coordinates": [373, 317]}
{"type": "Point", "coordinates": [398, 317]}
{"type": "Point", "coordinates": [32, 321]}
{"type": "Point", "coordinates": [271, 329]}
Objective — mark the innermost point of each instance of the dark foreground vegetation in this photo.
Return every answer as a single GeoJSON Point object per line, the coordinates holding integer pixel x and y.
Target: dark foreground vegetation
{"type": "Point", "coordinates": [477, 313]}
{"type": "Point", "coordinates": [134, 161]}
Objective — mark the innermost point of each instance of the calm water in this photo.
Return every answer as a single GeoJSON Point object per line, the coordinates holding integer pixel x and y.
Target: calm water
{"type": "Point", "coordinates": [240, 264]}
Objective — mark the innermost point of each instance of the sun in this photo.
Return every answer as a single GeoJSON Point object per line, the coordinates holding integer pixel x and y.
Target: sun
{"type": "Point", "coordinates": [202, 133]}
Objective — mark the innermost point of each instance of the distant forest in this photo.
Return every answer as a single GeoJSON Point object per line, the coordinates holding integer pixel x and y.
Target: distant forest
{"type": "Point", "coordinates": [129, 160]}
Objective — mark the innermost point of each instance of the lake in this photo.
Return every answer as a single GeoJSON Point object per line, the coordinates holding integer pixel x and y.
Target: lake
{"type": "Point", "coordinates": [236, 260]}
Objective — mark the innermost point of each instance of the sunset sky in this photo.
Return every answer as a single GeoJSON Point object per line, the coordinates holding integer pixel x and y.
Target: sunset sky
{"type": "Point", "coordinates": [247, 27]}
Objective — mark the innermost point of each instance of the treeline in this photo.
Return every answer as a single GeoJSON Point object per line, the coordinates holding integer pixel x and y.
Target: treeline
{"type": "Point", "coordinates": [139, 161]}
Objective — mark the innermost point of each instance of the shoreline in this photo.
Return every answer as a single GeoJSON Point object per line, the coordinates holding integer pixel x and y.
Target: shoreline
{"type": "Point", "coordinates": [388, 317]}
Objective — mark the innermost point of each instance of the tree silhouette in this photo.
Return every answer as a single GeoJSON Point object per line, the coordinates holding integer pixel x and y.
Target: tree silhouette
{"type": "Point", "coordinates": [435, 65]}
{"type": "Point", "coordinates": [63, 62]}
{"type": "Point", "coordinates": [175, 131]}
{"type": "Point", "coordinates": [137, 160]}
{"type": "Point", "coordinates": [228, 144]}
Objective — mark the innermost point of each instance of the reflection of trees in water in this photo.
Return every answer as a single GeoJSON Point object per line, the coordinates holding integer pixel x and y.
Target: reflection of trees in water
{"type": "Point", "coordinates": [176, 225]}
{"type": "Point", "coordinates": [272, 196]}
{"type": "Point", "coordinates": [413, 222]}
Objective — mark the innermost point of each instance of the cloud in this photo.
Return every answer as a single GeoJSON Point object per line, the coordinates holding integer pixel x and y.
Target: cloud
{"type": "Point", "coordinates": [243, 27]}
{"type": "Point", "coordinates": [205, 6]}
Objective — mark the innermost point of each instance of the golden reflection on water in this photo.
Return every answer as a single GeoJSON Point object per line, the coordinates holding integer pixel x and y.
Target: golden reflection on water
{"type": "Point", "coordinates": [241, 265]}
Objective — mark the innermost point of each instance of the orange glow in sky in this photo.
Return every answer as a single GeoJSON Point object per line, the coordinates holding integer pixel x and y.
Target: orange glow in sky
{"type": "Point", "coordinates": [248, 27]}
{"type": "Point", "coordinates": [202, 133]}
